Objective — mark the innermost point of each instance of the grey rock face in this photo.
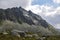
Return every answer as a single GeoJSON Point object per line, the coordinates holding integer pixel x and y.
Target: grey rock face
{"type": "Point", "coordinates": [27, 21]}
{"type": "Point", "coordinates": [21, 15]}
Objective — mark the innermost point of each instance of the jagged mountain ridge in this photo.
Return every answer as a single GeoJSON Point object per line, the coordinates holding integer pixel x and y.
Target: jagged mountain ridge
{"type": "Point", "coordinates": [21, 16]}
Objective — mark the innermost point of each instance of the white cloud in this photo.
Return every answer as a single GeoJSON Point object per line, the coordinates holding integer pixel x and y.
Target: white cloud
{"type": "Point", "coordinates": [56, 1]}
{"type": "Point", "coordinates": [49, 13]}
{"type": "Point", "coordinates": [34, 8]}
{"type": "Point", "coordinates": [14, 3]}
{"type": "Point", "coordinates": [45, 10]}
{"type": "Point", "coordinates": [57, 26]}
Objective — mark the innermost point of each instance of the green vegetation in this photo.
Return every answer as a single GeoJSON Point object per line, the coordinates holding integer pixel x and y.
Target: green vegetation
{"type": "Point", "coordinates": [54, 37]}
{"type": "Point", "coordinates": [9, 26]}
{"type": "Point", "coordinates": [0, 23]}
{"type": "Point", "coordinates": [12, 37]}
{"type": "Point", "coordinates": [33, 26]}
{"type": "Point", "coordinates": [8, 37]}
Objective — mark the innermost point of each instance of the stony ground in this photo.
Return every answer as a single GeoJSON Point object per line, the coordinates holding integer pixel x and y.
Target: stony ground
{"type": "Point", "coordinates": [11, 37]}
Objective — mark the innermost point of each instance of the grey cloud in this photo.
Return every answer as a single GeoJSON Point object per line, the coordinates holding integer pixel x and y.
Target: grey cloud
{"type": "Point", "coordinates": [53, 20]}
{"type": "Point", "coordinates": [14, 3]}
{"type": "Point", "coordinates": [50, 14]}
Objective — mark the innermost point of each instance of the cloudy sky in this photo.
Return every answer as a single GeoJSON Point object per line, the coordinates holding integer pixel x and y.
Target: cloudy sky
{"type": "Point", "coordinates": [48, 9]}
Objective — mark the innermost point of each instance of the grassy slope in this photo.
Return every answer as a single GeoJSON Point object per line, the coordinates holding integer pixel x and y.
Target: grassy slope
{"type": "Point", "coordinates": [13, 26]}
{"type": "Point", "coordinates": [11, 37]}
{"type": "Point", "coordinates": [9, 25]}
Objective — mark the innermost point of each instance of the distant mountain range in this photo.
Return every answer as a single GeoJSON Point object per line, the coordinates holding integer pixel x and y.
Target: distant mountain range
{"type": "Point", "coordinates": [20, 19]}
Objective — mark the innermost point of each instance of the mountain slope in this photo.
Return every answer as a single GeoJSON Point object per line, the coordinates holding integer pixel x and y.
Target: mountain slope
{"type": "Point", "coordinates": [20, 19]}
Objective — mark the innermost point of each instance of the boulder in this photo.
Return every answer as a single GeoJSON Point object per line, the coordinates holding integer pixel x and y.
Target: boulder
{"type": "Point", "coordinates": [17, 32]}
